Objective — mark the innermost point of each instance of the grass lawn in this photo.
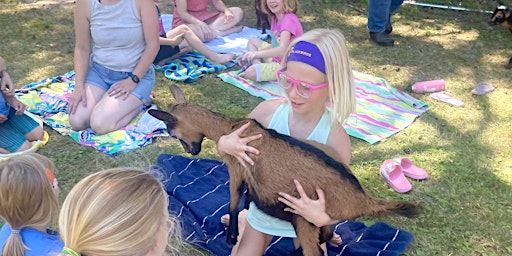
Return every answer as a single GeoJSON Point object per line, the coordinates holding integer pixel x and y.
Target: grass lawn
{"type": "Point", "coordinates": [467, 151]}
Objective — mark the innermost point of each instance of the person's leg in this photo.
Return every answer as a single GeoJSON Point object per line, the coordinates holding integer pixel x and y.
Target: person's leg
{"type": "Point", "coordinates": [378, 16]}
{"type": "Point", "coordinates": [251, 243]}
{"type": "Point", "coordinates": [112, 113]}
{"type": "Point", "coordinates": [192, 41]}
{"type": "Point", "coordinates": [81, 119]}
{"type": "Point", "coordinates": [222, 28]}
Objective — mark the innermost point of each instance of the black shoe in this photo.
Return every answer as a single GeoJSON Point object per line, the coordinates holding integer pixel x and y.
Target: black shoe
{"type": "Point", "coordinates": [381, 38]}
{"type": "Point", "coordinates": [389, 27]}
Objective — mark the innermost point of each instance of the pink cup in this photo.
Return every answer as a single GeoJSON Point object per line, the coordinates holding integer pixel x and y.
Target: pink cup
{"type": "Point", "coordinates": [429, 86]}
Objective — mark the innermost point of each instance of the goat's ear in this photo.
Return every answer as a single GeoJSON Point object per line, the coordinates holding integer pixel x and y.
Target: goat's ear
{"type": "Point", "coordinates": [162, 115]}
{"type": "Point", "coordinates": [178, 94]}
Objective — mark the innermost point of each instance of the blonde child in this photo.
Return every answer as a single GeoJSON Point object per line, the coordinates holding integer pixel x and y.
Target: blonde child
{"type": "Point", "coordinates": [28, 204]}
{"type": "Point", "coordinates": [264, 59]}
{"type": "Point", "coordinates": [316, 74]}
{"type": "Point", "coordinates": [116, 212]}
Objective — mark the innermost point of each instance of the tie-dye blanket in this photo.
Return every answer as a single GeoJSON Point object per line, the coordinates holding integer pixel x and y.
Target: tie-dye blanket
{"type": "Point", "coordinates": [49, 97]}
{"type": "Point", "coordinates": [190, 67]}
{"type": "Point", "coordinates": [198, 192]}
{"type": "Point", "coordinates": [381, 110]}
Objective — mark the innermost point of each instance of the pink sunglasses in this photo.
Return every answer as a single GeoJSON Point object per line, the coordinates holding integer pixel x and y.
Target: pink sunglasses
{"type": "Point", "coordinates": [302, 88]}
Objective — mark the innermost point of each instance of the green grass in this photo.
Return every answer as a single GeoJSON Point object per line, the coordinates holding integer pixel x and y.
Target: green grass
{"type": "Point", "coordinates": [467, 151]}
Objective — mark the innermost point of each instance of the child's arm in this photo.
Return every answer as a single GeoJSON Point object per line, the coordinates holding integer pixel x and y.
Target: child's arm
{"type": "Point", "coordinates": [16, 104]}
{"type": "Point", "coordinates": [175, 41]}
{"type": "Point", "coordinates": [278, 51]}
{"type": "Point", "coordinates": [6, 86]}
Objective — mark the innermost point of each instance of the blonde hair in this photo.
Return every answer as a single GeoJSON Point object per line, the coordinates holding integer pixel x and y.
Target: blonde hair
{"type": "Point", "coordinates": [288, 6]}
{"type": "Point", "coordinates": [338, 69]}
{"type": "Point", "coordinates": [114, 212]}
{"type": "Point", "coordinates": [27, 198]}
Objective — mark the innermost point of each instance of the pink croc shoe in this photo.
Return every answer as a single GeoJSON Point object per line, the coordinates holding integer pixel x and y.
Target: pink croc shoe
{"type": "Point", "coordinates": [410, 170]}
{"type": "Point", "coordinates": [392, 173]}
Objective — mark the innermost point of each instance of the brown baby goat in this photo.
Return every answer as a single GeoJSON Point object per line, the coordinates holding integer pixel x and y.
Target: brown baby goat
{"type": "Point", "coordinates": [282, 159]}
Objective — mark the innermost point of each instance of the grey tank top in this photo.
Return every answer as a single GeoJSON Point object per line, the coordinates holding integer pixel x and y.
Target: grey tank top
{"type": "Point", "coordinates": [117, 35]}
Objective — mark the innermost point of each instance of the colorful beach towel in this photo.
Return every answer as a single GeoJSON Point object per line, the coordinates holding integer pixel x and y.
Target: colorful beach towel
{"type": "Point", "coordinates": [381, 110]}
{"type": "Point", "coordinates": [48, 99]}
{"type": "Point", "coordinates": [198, 192]}
{"type": "Point", "coordinates": [190, 67]}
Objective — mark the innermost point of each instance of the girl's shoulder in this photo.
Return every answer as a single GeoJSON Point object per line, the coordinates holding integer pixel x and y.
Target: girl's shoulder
{"type": "Point", "coordinates": [265, 110]}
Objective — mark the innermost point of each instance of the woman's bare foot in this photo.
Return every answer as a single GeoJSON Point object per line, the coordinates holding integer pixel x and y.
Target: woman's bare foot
{"type": "Point", "coordinates": [223, 58]}
{"type": "Point", "coordinates": [335, 240]}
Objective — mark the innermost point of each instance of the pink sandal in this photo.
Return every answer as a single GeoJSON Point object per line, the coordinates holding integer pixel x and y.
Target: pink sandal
{"type": "Point", "coordinates": [392, 173]}
{"type": "Point", "coordinates": [410, 170]}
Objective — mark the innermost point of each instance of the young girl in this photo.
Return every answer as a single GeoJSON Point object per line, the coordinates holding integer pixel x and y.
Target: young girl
{"type": "Point", "coordinates": [181, 40]}
{"type": "Point", "coordinates": [284, 28]}
{"type": "Point", "coordinates": [316, 74]}
{"type": "Point", "coordinates": [116, 212]}
{"type": "Point", "coordinates": [28, 203]}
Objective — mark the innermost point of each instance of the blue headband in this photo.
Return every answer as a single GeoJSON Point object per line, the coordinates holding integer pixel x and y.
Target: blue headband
{"type": "Point", "coordinates": [308, 53]}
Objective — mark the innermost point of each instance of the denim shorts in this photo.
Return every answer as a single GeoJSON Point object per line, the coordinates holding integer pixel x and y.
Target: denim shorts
{"type": "Point", "coordinates": [13, 131]}
{"type": "Point", "coordinates": [105, 78]}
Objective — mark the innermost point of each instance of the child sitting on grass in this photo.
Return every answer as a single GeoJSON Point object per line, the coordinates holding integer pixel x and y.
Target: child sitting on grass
{"type": "Point", "coordinates": [17, 130]}
{"type": "Point", "coordinates": [28, 204]}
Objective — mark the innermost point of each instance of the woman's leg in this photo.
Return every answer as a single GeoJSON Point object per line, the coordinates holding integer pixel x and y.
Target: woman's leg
{"type": "Point", "coordinates": [112, 113]}
{"type": "Point", "coordinates": [222, 29]}
{"type": "Point", "coordinates": [81, 119]}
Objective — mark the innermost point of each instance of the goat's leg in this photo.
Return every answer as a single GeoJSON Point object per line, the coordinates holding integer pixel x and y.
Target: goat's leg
{"type": "Point", "coordinates": [326, 234]}
{"type": "Point", "coordinates": [308, 235]}
{"type": "Point", "coordinates": [235, 190]}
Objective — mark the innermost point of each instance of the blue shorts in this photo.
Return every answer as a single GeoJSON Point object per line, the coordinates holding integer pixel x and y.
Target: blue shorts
{"type": "Point", "coordinates": [104, 78]}
{"type": "Point", "coordinates": [13, 131]}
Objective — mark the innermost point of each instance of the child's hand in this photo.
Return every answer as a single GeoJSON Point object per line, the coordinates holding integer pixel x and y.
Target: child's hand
{"type": "Point", "coordinates": [178, 39]}
{"type": "Point", "coordinates": [313, 211]}
{"type": "Point", "coordinates": [2, 118]}
{"type": "Point", "coordinates": [18, 106]}
{"type": "Point", "coordinates": [6, 85]}
{"type": "Point", "coordinates": [235, 145]}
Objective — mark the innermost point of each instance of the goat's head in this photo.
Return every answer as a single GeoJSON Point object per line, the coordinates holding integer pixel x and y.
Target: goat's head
{"type": "Point", "coordinates": [500, 15]}
{"type": "Point", "coordinates": [178, 123]}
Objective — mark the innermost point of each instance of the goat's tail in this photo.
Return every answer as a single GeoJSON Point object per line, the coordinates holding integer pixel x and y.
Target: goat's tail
{"type": "Point", "coordinates": [402, 208]}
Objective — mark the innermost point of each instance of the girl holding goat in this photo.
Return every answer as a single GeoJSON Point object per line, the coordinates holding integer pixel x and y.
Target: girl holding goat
{"type": "Point", "coordinates": [317, 77]}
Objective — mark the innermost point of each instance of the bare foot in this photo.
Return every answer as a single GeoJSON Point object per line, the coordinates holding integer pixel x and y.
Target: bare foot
{"type": "Point", "coordinates": [223, 58]}
{"type": "Point", "coordinates": [225, 220]}
{"type": "Point", "coordinates": [335, 240]}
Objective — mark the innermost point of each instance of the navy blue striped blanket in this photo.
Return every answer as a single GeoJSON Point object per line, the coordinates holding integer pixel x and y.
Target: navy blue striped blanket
{"type": "Point", "coordinates": [198, 192]}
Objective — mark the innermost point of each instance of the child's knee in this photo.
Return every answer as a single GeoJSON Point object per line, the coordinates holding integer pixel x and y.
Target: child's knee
{"type": "Point", "coordinates": [36, 134]}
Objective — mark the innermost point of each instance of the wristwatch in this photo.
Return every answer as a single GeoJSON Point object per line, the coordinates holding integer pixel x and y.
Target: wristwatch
{"type": "Point", "coordinates": [135, 78]}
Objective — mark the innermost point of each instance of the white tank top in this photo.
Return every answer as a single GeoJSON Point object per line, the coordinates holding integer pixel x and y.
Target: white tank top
{"type": "Point", "coordinates": [117, 35]}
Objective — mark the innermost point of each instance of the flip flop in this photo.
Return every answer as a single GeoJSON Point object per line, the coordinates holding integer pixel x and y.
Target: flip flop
{"type": "Point", "coordinates": [410, 170]}
{"type": "Point", "coordinates": [392, 173]}
{"type": "Point", "coordinates": [482, 88]}
{"type": "Point", "coordinates": [443, 97]}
